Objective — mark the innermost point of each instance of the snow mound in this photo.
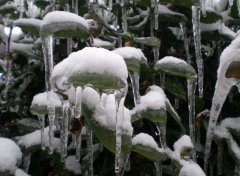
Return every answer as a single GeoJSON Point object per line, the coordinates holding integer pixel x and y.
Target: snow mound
{"type": "Point", "coordinates": [10, 155]}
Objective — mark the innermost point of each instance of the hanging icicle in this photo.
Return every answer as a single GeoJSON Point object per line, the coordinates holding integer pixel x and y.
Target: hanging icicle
{"type": "Point", "coordinates": [64, 133]}
{"type": "Point", "coordinates": [231, 2]}
{"type": "Point", "coordinates": [191, 87]}
{"type": "Point", "coordinates": [158, 166]}
{"type": "Point", "coordinates": [121, 2]}
{"type": "Point", "coordinates": [124, 18]}
{"type": "Point", "coordinates": [197, 44]}
{"type": "Point", "coordinates": [204, 8]}
{"type": "Point", "coordinates": [119, 120]}
{"type": "Point", "coordinates": [220, 158]}
{"type": "Point", "coordinates": [176, 103]}
{"type": "Point", "coordinates": [51, 119]}
{"type": "Point", "coordinates": [78, 103]}
{"type": "Point", "coordinates": [8, 62]}
{"type": "Point", "coordinates": [134, 77]}
{"type": "Point", "coordinates": [78, 146]}
{"type": "Point", "coordinates": [156, 14]}
{"type": "Point", "coordinates": [69, 45]}
{"type": "Point", "coordinates": [110, 3]}
{"type": "Point", "coordinates": [90, 151]}
{"type": "Point", "coordinates": [186, 42]}
{"type": "Point", "coordinates": [156, 54]}
{"type": "Point", "coordinates": [162, 80]}
{"type": "Point", "coordinates": [41, 118]}
{"type": "Point", "coordinates": [47, 44]}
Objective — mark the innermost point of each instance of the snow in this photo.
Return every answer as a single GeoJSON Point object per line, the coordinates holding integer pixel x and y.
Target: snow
{"type": "Point", "coordinates": [41, 100]}
{"type": "Point", "coordinates": [182, 143]}
{"type": "Point", "coordinates": [10, 155]}
{"type": "Point", "coordinates": [190, 168]}
{"type": "Point", "coordinates": [130, 53]}
{"type": "Point", "coordinates": [154, 99]}
{"type": "Point", "coordinates": [101, 43]}
{"type": "Point", "coordinates": [34, 138]}
{"type": "Point", "coordinates": [207, 27]}
{"type": "Point", "coordinates": [28, 22]}
{"type": "Point", "coordinates": [64, 21]}
{"type": "Point", "coordinates": [20, 172]}
{"type": "Point", "coordinates": [229, 54]}
{"type": "Point", "coordinates": [90, 97]}
{"type": "Point", "coordinates": [106, 116]}
{"type": "Point", "coordinates": [145, 140]}
{"type": "Point", "coordinates": [92, 60]}
{"type": "Point", "coordinates": [171, 59]}
{"type": "Point", "coordinates": [72, 164]}
{"type": "Point", "coordinates": [222, 130]}
{"type": "Point", "coordinates": [162, 9]}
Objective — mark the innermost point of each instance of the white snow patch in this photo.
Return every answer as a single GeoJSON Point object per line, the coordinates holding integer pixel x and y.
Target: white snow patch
{"type": "Point", "coordinates": [101, 43]}
{"type": "Point", "coordinates": [130, 53]}
{"type": "Point", "coordinates": [10, 155]}
{"type": "Point", "coordinates": [63, 16]}
{"type": "Point", "coordinates": [41, 99]}
{"type": "Point", "coordinates": [90, 97]}
{"type": "Point", "coordinates": [72, 164]}
{"type": "Point", "coordinates": [172, 60]}
{"type": "Point", "coordinates": [145, 140]}
{"type": "Point", "coordinates": [91, 60]}
{"type": "Point", "coordinates": [190, 168]}
{"type": "Point", "coordinates": [34, 138]}
{"type": "Point", "coordinates": [182, 143]}
{"type": "Point", "coordinates": [20, 172]}
{"type": "Point", "coordinates": [154, 99]}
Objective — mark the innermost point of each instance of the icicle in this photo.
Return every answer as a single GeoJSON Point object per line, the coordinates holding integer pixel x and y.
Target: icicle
{"type": "Point", "coordinates": [47, 44]}
{"type": "Point", "coordinates": [162, 80]}
{"type": "Point", "coordinates": [21, 8]}
{"type": "Point", "coordinates": [119, 120]}
{"type": "Point", "coordinates": [204, 7]}
{"type": "Point", "coordinates": [134, 77]}
{"type": "Point", "coordinates": [57, 41]}
{"type": "Point", "coordinates": [211, 169]}
{"type": "Point", "coordinates": [8, 63]}
{"type": "Point", "coordinates": [41, 118]}
{"type": "Point", "coordinates": [120, 98]}
{"type": "Point", "coordinates": [78, 103]}
{"type": "Point", "coordinates": [156, 54]}
{"type": "Point", "coordinates": [69, 45]}
{"type": "Point", "coordinates": [126, 166]}
{"type": "Point", "coordinates": [51, 119]}
{"type": "Point", "coordinates": [220, 94]}
{"type": "Point", "coordinates": [64, 135]}
{"type": "Point", "coordinates": [156, 14]}
{"type": "Point", "coordinates": [103, 100]}
{"type": "Point", "coordinates": [121, 2]}
{"type": "Point", "coordinates": [76, 7]}
{"type": "Point", "coordinates": [176, 103]}
{"type": "Point", "coordinates": [119, 41]}
{"type": "Point", "coordinates": [220, 158]}
{"type": "Point", "coordinates": [158, 166]}
{"type": "Point", "coordinates": [78, 147]}
{"type": "Point", "coordinates": [124, 18]}
{"type": "Point", "coordinates": [110, 3]}
{"type": "Point", "coordinates": [90, 151]}
{"type": "Point", "coordinates": [197, 44]}
{"type": "Point", "coordinates": [152, 27]}
{"type": "Point", "coordinates": [231, 2]}
{"type": "Point", "coordinates": [186, 42]}
{"type": "Point", "coordinates": [131, 1]}
{"type": "Point", "coordinates": [191, 86]}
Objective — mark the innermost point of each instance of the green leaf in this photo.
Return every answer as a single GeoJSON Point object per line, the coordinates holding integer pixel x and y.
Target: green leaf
{"type": "Point", "coordinates": [28, 125]}
{"type": "Point", "coordinates": [176, 88]}
{"type": "Point", "coordinates": [211, 17]}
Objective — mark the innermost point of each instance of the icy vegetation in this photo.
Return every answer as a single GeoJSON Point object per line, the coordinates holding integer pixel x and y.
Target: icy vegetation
{"type": "Point", "coordinates": [101, 76]}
